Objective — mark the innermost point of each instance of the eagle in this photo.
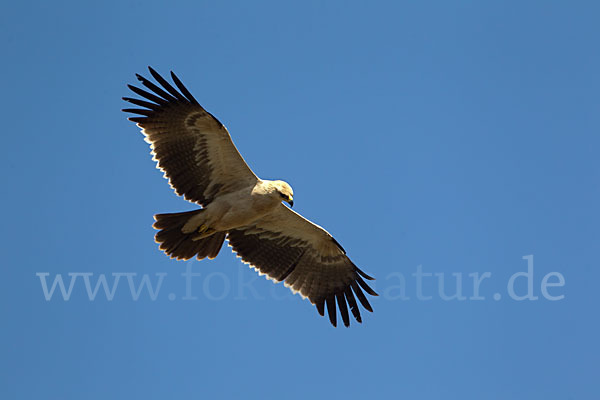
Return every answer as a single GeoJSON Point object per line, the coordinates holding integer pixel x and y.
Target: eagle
{"type": "Point", "coordinates": [197, 156]}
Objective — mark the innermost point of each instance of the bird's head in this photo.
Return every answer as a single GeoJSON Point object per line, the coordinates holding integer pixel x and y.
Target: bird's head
{"type": "Point", "coordinates": [284, 190]}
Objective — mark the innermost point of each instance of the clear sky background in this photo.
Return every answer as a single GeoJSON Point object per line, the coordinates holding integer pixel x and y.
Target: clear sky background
{"type": "Point", "coordinates": [455, 136]}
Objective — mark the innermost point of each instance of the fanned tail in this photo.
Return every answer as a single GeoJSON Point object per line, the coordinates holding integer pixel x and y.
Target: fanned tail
{"type": "Point", "coordinates": [182, 246]}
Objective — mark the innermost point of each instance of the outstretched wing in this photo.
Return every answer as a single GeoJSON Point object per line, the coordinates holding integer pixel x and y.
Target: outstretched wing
{"type": "Point", "coordinates": [192, 148]}
{"type": "Point", "coordinates": [285, 246]}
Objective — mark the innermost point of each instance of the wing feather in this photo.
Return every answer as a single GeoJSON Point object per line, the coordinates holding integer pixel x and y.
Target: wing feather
{"type": "Point", "coordinates": [352, 303]}
{"type": "Point", "coordinates": [163, 82]}
{"type": "Point", "coordinates": [284, 246]}
{"type": "Point", "coordinates": [191, 147]}
{"type": "Point", "coordinates": [341, 301]}
{"type": "Point", "coordinates": [330, 300]}
{"type": "Point", "coordinates": [183, 89]}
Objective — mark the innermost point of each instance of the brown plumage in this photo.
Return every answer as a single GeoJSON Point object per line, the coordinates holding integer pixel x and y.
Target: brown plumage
{"type": "Point", "coordinates": [198, 157]}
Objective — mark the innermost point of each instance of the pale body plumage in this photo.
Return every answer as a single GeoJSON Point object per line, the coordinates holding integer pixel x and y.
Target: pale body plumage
{"type": "Point", "coordinates": [198, 157]}
{"type": "Point", "coordinates": [239, 208]}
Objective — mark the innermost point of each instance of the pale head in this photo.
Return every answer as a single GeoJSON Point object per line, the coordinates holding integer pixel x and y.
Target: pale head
{"type": "Point", "coordinates": [283, 190]}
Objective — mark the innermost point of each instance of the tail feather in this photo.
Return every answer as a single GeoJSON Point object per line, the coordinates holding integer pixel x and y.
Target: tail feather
{"type": "Point", "coordinates": [181, 245]}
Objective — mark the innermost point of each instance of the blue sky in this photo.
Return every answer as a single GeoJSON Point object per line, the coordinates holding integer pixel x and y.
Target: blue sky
{"type": "Point", "coordinates": [446, 137]}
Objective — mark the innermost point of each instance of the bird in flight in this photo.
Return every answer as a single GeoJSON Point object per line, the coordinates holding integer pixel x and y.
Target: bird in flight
{"type": "Point", "coordinates": [198, 157]}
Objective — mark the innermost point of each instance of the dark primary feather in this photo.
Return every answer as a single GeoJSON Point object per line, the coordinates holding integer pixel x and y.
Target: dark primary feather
{"type": "Point", "coordinates": [155, 88]}
{"type": "Point", "coordinates": [140, 111]}
{"type": "Point", "coordinates": [330, 300]}
{"type": "Point", "coordinates": [361, 296]}
{"type": "Point", "coordinates": [341, 301]}
{"type": "Point", "coordinates": [142, 103]}
{"type": "Point", "coordinates": [352, 303]}
{"type": "Point", "coordinates": [147, 95]}
{"type": "Point", "coordinates": [283, 258]}
{"type": "Point", "coordinates": [184, 137]}
{"type": "Point", "coordinates": [167, 85]}
{"type": "Point", "coordinates": [183, 89]}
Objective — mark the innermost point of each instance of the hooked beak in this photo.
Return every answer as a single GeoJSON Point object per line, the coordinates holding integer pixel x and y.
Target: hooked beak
{"type": "Point", "coordinates": [290, 202]}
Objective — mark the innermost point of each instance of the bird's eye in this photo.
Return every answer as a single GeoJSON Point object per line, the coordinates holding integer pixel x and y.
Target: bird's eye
{"type": "Point", "coordinates": [283, 196]}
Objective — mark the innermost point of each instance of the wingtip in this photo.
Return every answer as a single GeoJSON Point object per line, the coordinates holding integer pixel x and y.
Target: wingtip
{"type": "Point", "coordinates": [153, 72]}
{"type": "Point", "coordinates": [331, 310]}
{"type": "Point", "coordinates": [364, 275]}
{"type": "Point", "coordinates": [320, 304]}
{"type": "Point", "coordinates": [366, 287]}
{"type": "Point", "coordinates": [346, 322]}
{"type": "Point", "coordinates": [361, 296]}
